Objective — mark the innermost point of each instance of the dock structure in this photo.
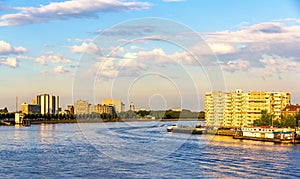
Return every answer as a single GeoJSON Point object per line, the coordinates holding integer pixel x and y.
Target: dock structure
{"type": "Point", "coordinates": [286, 141]}
{"type": "Point", "coordinates": [263, 133]}
{"type": "Point", "coordinates": [268, 134]}
{"type": "Point", "coordinates": [20, 121]}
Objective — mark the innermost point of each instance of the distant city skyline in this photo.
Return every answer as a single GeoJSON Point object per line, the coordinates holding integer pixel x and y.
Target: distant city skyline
{"type": "Point", "coordinates": [43, 45]}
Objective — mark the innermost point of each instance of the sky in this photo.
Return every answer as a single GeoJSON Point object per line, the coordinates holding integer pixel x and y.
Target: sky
{"type": "Point", "coordinates": [158, 54]}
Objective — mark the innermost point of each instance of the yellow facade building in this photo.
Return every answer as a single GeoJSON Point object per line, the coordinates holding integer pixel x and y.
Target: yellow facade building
{"type": "Point", "coordinates": [242, 108]}
{"type": "Point", "coordinates": [116, 103]}
{"type": "Point", "coordinates": [105, 109]}
{"type": "Point", "coordinates": [30, 108]}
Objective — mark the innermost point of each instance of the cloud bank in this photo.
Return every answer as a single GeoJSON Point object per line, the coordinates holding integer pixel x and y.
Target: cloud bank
{"type": "Point", "coordinates": [68, 10]}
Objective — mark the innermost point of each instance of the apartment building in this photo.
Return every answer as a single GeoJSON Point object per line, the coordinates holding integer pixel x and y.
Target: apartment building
{"type": "Point", "coordinates": [242, 108]}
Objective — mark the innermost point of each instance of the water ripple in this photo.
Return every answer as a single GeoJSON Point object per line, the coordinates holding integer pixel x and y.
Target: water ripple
{"type": "Point", "coordinates": [64, 151]}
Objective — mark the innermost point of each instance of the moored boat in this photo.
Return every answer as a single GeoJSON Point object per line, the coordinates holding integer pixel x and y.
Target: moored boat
{"type": "Point", "coordinates": [266, 133]}
{"type": "Point", "coordinates": [170, 128]}
{"type": "Point", "coordinates": [187, 129]}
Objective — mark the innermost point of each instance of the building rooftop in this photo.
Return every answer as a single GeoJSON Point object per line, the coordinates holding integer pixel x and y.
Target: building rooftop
{"type": "Point", "coordinates": [292, 108]}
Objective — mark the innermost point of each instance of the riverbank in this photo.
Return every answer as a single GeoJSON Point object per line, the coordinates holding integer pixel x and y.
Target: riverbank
{"type": "Point", "coordinates": [37, 122]}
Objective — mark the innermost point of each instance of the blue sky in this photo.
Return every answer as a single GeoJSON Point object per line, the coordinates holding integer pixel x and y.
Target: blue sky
{"type": "Point", "coordinates": [55, 47]}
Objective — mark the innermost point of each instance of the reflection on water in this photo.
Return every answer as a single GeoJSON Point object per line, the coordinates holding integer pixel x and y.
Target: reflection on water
{"type": "Point", "coordinates": [137, 150]}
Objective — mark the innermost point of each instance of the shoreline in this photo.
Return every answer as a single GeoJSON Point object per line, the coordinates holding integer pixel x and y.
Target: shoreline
{"type": "Point", "coordinates": [37, 122]}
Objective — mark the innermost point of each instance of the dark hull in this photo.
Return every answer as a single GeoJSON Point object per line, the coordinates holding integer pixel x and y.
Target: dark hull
{"type": "Point", "coordinates": [188, 130]}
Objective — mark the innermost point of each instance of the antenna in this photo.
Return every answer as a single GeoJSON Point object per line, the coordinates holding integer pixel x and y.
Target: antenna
{"type": "Point", "coordinates": [17, 104]}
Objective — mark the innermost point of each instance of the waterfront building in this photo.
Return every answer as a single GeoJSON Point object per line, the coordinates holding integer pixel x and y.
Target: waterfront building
{"type": "Point", "coordinates": [30, 108]}
{"type": "Point", "coordinates": [93, 108]}
{"type": "Point", "coordinates": [290, 110]}
{"type": "Point", "coordinates": [242, 108]}
{"type": "Point", "coordinates": [131, 106]}
{"type": "Point", "coordinates": [116, 103]}
{"type": "Point", "coordinates": [123, 109]}
{"type": "Point", "coordinates": [81, 107]}
{"type": "Point", "coordinates": [18, 118]}
{"type": "Point", "coordinates": [105, 109]}
{"type": "Point", "coordinates": [70, 109]}
{"type": "Point", "coordinates": [49, 104]}
{"type": "Point", "coordinates": [215, 103]}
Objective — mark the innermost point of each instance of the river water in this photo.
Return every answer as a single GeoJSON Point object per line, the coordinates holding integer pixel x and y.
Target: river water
{"type": "Point", "coordinates": [137, 150]}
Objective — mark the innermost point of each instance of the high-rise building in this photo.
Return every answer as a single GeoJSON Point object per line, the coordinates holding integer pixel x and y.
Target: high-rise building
{"type": "Point", "coordinates": [81, 107]}
{"type": "Point", "coordinates": [116, 103]}
{"type": "Point", "coordinates": [131, 106]}
{"type": "Point", "coordinates": [30, 108]}
{"type": "Point", "coordinates": [242, 108]}
{"type": "Point", "coordinates": [49, 104]}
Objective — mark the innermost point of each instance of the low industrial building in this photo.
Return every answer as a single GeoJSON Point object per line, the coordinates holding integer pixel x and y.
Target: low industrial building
{"type": "Point", "coordinates": [31, 108]}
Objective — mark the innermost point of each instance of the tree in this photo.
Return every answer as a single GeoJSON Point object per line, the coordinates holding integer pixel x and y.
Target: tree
{"type": "Point", "coordinates": [201, 115]}
{"type": "Point", "coordinates": [143, 113]}
{"type": "Point", "coordinates": [5, 110]}
{"type": "Point", "coordinates": [264, 120]}
{"type": "Point", "coordinates": [297, 118]}
{"type": "Point", "coordinates": [288, 121]}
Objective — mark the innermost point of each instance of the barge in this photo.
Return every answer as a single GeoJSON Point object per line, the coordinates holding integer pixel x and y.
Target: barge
{"type": "Point", "coordinates": [187, 129]}
{"type": "Point", "coordinates": [268, 134]}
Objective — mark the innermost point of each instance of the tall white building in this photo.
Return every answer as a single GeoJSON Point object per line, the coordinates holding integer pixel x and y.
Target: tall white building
{"type": "Point", "coordinates": [49, 104]}
{"type": "Point", "coordinates": [242, 108]}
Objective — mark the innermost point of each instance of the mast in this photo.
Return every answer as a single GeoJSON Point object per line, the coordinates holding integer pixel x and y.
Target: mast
{"type": "Point", "coordinates": [17, 104]}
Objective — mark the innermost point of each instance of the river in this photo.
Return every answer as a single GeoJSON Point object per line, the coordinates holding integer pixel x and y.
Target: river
{"type": "Point", "coordinates": [137, 150]}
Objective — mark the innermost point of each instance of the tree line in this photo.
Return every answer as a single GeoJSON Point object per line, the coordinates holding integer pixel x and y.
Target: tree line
{"type": "Point", "coordinates": [104, 117]}
{"type": "Point", "coordinates": [168, 114]}
{"type": "Point", "coordinates": [267, 119]}
{"type": "Point", "coordinates": [55, 117]}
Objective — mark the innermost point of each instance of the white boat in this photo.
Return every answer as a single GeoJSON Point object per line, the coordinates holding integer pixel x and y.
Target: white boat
{"type": "Point", "coordinates": [187, 129]}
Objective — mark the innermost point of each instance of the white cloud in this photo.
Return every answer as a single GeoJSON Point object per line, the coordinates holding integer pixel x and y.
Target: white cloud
{"type": "Point", "coordinates": [270, 66]}
{"type": "Point", "coordinates": [108, 68]}
{"type": "Point", "coordinates": [237, 65]}
{"type": "Point", "coordinates": [67, 10]}
{"type": "Point", "coordinates": [134, 47]}
{"type": "Point", "coordinates": [10, 61]}
{"type": "Point", "coordinates": [6, 48]}
{"type": "Point", "coordinates": [297, 20]}
{"type": "Point", "coordinates": [274, 65]}
{"type": "Point", "coordinates": [42, 60]}
{"type": "Point", "coordinates": [155, 56]}
{"type": "Point", "coordinates": [89, 48]}
{"type": "Point", "coordinates": [131, 63]}
{"type": "Point", "coordinates": [129, 30]}
{"type": "Point", "coordinates": [222, 48]}
{"type": "Point", "coordinates": [262, 32]}
{"type": "Point", "coordinates": [60, 70]}
{"type": "Point", "coordinates": [24, 57]}
{"type": "Point", "coordinates": [173, 0]}
{"type": "Point", "coordinates": [252, 42]}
